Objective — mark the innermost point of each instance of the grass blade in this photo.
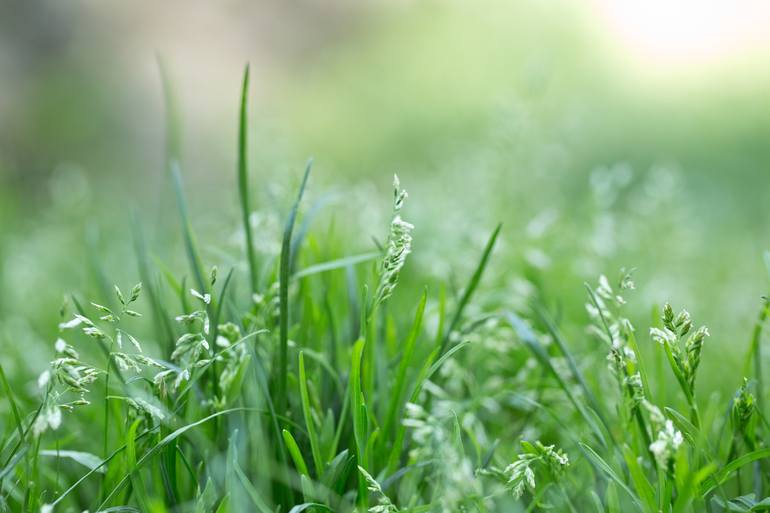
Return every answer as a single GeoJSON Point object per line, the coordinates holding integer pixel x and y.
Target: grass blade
{"type": "Point", "coordinates": [471, 288]}
{"type": "Point", "coordinates": [160, 317]}
{"type": "Point", "coordinates": [243, 181]}
{"type": "Point", "coordinates": [339, 263]}
{"type": "Point", "coordinates": [190, 244]}
{"type": "Point", "coordinates": [530, 340]}
{"type": "Point", "coordinates": [602, 465]}
{"type": "Point", "coordinates": [155, 450]}
{"type": "Point", "coordinates": [283, 355]}
{"type": "Point", "coordinates": [12, 401]}
{"type": "Point", "coordinates": [397, 391]}
{"type": "Point", "coordinates": [295, 453]}
{"type": "Point", "coordinates": [358, 412]}
{"type": "Point", "coordinates": [311, 431]}
{"type": "Point", "coordinates": [723, 474]}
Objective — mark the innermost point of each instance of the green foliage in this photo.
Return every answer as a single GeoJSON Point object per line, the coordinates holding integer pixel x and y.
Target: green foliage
{"type": "Point", "coordinates": [345, 385]}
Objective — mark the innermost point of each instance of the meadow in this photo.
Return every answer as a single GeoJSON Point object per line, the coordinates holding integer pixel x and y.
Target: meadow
{"type": "Point", "coordinates": [556, 303]}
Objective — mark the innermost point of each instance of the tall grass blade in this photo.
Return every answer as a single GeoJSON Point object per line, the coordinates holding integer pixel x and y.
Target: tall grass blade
{"type": "Point", "coordinates": [315, 446]}
{"type": "Point", "coordinates": [470, 288]}
{"type": "Point", "coordinates": [243, 181]}
{"type": "Point", "coordinates": [12, 401]}
{"type": "Point", "coordinates": [530, 340]}
{"type": "Point", "coordinates": [283, 354]}
{"type": "Point", "coordinates": [602, 465]}
{"type": "Point", "coordinates": [397, 392]}
{"type": "Point", "coordinates": [163, 328]}
{"type": "Point", "coordinates": [190, 244]}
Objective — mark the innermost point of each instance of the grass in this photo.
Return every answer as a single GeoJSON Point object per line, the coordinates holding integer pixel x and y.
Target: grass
{"type": "Point", "coordinates": [315, 382]}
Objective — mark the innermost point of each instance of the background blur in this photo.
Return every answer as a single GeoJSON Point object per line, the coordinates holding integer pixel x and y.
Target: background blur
{"type": "Point", "coordinates": [601, 133]}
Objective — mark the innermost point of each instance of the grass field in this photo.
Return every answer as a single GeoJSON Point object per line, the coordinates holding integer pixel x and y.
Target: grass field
{"type": "Point", "coordinates": [539, 313]}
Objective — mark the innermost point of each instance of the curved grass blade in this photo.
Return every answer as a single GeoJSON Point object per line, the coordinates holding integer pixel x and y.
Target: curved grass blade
{"type": "Point", "coordinates": [530, 340]}
{"type": "Point", "coordinates": [430, 366]}
{"type": "Point", "coordinates": [163, 327]}
{"type": "Point", "coordinates": [156, 448]}
{"type": "Point", "coordinates": [642, 485]}
{"type": "Point", "coordinates": [256, 498]}
{"type": "Point", "coordinates": [470, 288]}
{"type": "Point", "coordinates": [723, 474]}
{"type": "Point", "coordinates": [191, 247]}
{"type": "Point", "coordinates": [602, 465]}
{"type": "Point", "coordinates": [339, 263]}
{"type": "Point", "coordinates": [283, 278]}
{"type": "Point", "coordinates": [295, 453]}
{"type": "Point", "coordinates": [304, 227]}
{"type": "Point", "coordinates": [137, 484]}
{"type": "Point", "coordinates": [310, 505]}
{"type": "Point", "coordinates": [88, 460]}
{"type": "Point", "coordinates": [571, 363]}
{"type": "Point", "coordinates": [173, 129]}
{"type": "Point", "coordinates": [243, 181]}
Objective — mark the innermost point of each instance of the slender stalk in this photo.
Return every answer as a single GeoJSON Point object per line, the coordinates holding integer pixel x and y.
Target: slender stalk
{"type": "Point", "coordinates": [243, 181]}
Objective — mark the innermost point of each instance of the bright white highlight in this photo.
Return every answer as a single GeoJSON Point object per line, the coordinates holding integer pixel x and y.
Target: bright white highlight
{"type": "Point", "coordinates": [687, 32]}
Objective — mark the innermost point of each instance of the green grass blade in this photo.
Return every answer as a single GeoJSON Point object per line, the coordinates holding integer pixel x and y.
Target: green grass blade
{"type": "Point", "coordinates": [243, 181]}
{"type": "Point", "coordinates": [190, 244]}
{"type": "Point", "coordinates": [310, 424]}
{"type": "Point", "coordinates": [173, 125]}
{"type": "Point", "coordinates": [260, 376]}
{"type": "Point", "coordinates": [526, 335]}
{"type": "Point", "coordinates": [429, 367]}
{"type": "Point", "coordinates": [397, 391]}
{"type": "Point", "coordinates": [310, 505]}
{"type": "Point", "coordinates": [571, 363]}
{"type": "Point", "coordinates": [724, 473]}
{"type": "Point", "coordinates": [88, 460]}
{"type": "Point", "coordinates": [173, 160]}
{"type": "Point", "coordinates": [358, 411]}
{"type": "Point", "coordinates": [295, 453]}
{"type": "Point", "coordinates": [163, 327]}
{"type": "Point", "coordinates": [156, 449]}
{"type": "Point", "coordinates": [641, 484]}
{"type": "Point", "coordinates": [283, 355]}
{"type": "Point", "coordinates": [339, 263]}
{"type": "Point", "coordinates": [470, 288]}
{"type": "Point", "coordinates": [602, 465]}
{"type": "Point", "coordinates": [12, 462]}
{"type": "Point", "coordinates": [256, 499]}
{"type": "Point", "coordinates": [136, 480]}
{"type": "Point", "coordinates": [12, 402]}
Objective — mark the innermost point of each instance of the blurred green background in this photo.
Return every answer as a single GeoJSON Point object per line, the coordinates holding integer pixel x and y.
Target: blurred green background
{"type": "Point", "coordinates": [602, 134]}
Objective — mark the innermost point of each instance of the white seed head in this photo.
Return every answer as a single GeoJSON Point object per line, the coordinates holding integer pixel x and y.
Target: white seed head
{"type": "Point", "coordinates": [206, 298]}
{"type": "Point", "coordinates": [44, 379]}
{"type": "Point", "coordinates": [663, 336]}
{"type": "Point", "coordinates": [668, 442]}
{"type": "Point", "coordinates": [74, 323]}
{"type": "Point", "coordinates": [60, 345]}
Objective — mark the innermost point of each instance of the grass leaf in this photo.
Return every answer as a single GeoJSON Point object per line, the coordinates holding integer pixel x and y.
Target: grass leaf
{"type": "Point", "coordinates": [283, 354]}
{"type": "Point", "coordinates": [470, 288]}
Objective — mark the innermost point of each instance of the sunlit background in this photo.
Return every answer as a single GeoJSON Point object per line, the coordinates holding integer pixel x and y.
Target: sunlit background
{"type": "Point", "coordinates": [603, 134]}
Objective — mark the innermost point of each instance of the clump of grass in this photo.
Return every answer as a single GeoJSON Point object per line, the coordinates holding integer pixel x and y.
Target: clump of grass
{"type": "Point", "coordinates": [324, 385]}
